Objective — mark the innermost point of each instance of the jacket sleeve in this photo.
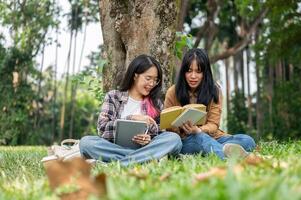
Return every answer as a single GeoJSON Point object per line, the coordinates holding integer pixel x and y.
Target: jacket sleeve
{"type": "Point", "coordinates": [213, 117]}
{"type": "Point", "coordinates": [170, 98]}
{"type": "Point", "coordinates": [106, 123]}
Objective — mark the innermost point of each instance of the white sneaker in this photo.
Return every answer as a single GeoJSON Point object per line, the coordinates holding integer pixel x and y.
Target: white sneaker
{"type": "Point", "coordinates": [234, 150]}
{"type": "Point", "coordinates": [91, 161]}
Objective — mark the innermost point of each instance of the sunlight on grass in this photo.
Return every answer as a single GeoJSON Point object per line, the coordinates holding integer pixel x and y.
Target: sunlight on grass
{"type": "Point", "coordinates": [278, 177]}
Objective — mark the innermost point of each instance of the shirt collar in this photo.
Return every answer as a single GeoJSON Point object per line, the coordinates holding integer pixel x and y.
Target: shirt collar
{"type": "Point", "coordinates": [124, 96]}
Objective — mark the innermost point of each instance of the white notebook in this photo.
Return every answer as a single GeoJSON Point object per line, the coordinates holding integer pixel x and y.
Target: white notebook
{"type": "Point", "coordinates": [190, 114]}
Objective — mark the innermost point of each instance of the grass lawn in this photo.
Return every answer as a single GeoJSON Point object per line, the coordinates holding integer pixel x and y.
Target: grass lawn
{"type": "Point", "coordinates": [22, 176]}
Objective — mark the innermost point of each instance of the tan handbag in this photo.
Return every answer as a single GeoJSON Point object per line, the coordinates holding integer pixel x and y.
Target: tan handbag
{"type": "Point", "coordinates": [63, 152]}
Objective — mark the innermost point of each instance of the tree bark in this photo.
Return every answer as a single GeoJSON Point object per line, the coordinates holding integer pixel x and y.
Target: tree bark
{"type": "Point", "coordinates": [227, 65]}
{"type": "Point", "coordinates": [242, 74]}
{"type": "Point", "coordinates": [63, 108]}
{"type": "Point", "coordinates": [182, 14]}
{"type": "Point", "coordinates": [54, 118]}
{"type": "Point", "coordinates": [73, 90]}
{"type": "Point", "coordinates": [235, 72]}
{"type": "Point", "coordinates": [250, 120]}
{"type": "Point", "coordinates": [140, 27]}
{"type": "Point", "coordinates": [259, 113]}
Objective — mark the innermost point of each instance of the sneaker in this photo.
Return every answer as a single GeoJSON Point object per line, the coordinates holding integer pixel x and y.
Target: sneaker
{"type": "Point", "coordinates": [94, 162]}
{"type": "Point", "coordinates": [91, 161]}
{"type": "Point", "coordinates": [234, 150]}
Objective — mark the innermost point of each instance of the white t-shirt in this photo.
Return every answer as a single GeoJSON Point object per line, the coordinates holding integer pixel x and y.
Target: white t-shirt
{"type": "Point", "coordinates": [132, 107]}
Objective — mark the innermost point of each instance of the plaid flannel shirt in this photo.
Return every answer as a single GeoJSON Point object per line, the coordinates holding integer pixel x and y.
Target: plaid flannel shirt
{"type": "Point", "coordinates": [111, 110]}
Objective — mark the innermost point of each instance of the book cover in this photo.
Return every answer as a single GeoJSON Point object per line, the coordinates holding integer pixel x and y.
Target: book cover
{"type": "Point", "coordinates": [126, 130]}
{"type": "Point", "coordinates": [168, 115]}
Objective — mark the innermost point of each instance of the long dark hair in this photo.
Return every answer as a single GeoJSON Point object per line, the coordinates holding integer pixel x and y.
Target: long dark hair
{"type": "Point", "coordinates": [139, 65]}
{"type": "Point", "coordinates": [207, 89]}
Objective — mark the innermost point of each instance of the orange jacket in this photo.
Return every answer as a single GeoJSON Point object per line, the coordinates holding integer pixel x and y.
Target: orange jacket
{"type": "Point", "coordinates": [213, 113]}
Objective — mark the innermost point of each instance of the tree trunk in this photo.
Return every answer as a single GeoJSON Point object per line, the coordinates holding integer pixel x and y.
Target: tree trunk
{"type": "Point", "coordinates": [227, 65]}
{"type": "Point", "coordinates": [250, 120]}
{"type": "Point", "coordinates": [235, 72]}
{"type": "Point", "coordinates": [55, 89]}
{"type": "Point", "coordinates": [259, 113]}
{"type": "Point", "coordinates": [63, 109]}
{"type": "Point", "coordinates": [242, 72]}
{"type": "Point", "coordinates": [73, 100]}
{"type": "Point", "coordinates": [132, 28]}
{"type": "Point", "coordinates": [182, 14]}
{"type": "Point", "coordinates": [270, 93]}
{"type": "Point", "coordinates": [37, 114]}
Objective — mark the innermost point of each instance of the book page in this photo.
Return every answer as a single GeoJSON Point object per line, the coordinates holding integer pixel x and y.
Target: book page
{"type": "Point", "coordinates": [190, 114]}
{"type": "Point", "coordinates": [196, 106]}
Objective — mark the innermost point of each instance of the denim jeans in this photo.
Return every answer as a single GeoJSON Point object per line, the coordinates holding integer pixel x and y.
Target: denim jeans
{"type": "Point", "coordinates": [205, 144]}
{"type": "Point", "coordinates": [167, 143]}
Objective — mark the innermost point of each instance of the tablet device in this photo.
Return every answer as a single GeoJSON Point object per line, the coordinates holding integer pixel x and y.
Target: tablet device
{"type": "Point", "coordinates": [126, 130]}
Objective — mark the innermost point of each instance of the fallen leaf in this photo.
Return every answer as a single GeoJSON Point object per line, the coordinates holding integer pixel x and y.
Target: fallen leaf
{"type": "Point", "coordinates": [257, 148]}
{"type": "Point", "coordinates": [139, 173]}
{"type": "Point", "coordinates": [214, 172]}
{"type": "Point", "coordinates": [280, 164]}
{"type": "Point", "coordinates": [219, 172]}
{"type": "Point", "coordinates": [165, 176]}
{"type": "Point", "coordinates": [74, 177]}
{"type": "Point", "coordinates": [253, 159]}
{"type": "Point", "coordinates": [237, 169]}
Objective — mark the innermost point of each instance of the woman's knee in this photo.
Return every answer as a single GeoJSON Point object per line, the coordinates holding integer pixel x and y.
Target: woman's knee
{"type": "Point", "coordinates": [202, 137]}
{"type": "Point", "coordinates": [173, 138]}
{"type": "Point", "coordinates": [86, 142]}
{"type": "Point", "coordinates": [248, 141]}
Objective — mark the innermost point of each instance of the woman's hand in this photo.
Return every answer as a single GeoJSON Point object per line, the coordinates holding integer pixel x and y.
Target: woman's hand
{"type": "Point", "coordinates": [190, 129]}
{"type": "Point", "coordinates": [142, 139]}
{"type": "Point", "coordinates": [144, 118]}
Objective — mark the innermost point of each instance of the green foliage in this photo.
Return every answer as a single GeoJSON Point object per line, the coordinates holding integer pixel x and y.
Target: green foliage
{"type": "Point", "coordinates": [182, 44]}
{"type": "Point", "coordinates": [238, 114]}
{"type": "Point", "coordinates": [282, 29]}
{"type": "Point", "coordinates": [23, 176]}
{"type": "Point", "coordinates": [91, 77]}
{"type": "Point", "coordinates": [15, 99]}
{"type": "Point", "coordinates": [285, 116]}
{"type": "Point", "coordinates": [28, 23]}
{"type": "Point", "coordinates": [29, 110]}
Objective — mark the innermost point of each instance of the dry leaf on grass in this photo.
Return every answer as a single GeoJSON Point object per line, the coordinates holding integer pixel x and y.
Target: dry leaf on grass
{"type": "Point", "coordinates": [253, 159]}
{"type": "Point", "coordinates": [219, 172]}
{"type": "Point", "coordinates": [280, 164]}
{"type": "Point", "coordinates": [139, 173]}
{"type": "Point", "coordinates": [213, 172]}
{"type": "Point", "coordinates": [75, 175]}
{"type": "Point", "coordinates": [257, 149]}
{"type": "Point", "coordinates": [165, 176]}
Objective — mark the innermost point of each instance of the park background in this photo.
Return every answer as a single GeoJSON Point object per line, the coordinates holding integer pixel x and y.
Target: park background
{"type": "Point", "coordinates": [53, 81]}
{"type": "Point", "coordinates": [58, 58]}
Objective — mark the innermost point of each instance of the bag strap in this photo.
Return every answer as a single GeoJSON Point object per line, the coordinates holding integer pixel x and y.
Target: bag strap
{"type": "Point", "coordinates": [72, 141]}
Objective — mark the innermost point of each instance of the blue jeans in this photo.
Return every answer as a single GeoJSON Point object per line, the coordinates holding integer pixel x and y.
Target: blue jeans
{"type": "Point", "coordinates": [205, 144]}
{"type": "Point", "coordinates": [167, 143]}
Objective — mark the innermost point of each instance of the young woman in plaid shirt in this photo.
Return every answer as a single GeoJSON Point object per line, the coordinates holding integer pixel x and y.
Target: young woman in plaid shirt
{"type": "Point", "coordinates": [138, 99]}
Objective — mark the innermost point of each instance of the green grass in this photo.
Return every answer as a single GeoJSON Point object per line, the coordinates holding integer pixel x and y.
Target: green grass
{"type": "Point", "coordinates": [22, 176]}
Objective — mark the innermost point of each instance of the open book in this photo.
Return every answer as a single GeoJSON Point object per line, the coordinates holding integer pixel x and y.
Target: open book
{"type": "Point", "coordinates": [175, 116]}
